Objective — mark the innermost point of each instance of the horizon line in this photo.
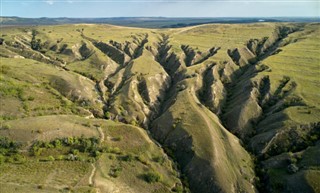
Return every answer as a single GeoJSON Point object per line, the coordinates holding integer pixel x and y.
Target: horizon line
{"type": "Point", "coordinates": [167, 17]}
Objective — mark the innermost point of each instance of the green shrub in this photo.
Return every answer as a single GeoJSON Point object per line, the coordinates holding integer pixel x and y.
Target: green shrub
{"type": "Point", "coordinates": [6, 127]}
{"type": "Point", "coordinates": [118, 138]}
{"type": "Point", "coordinates": [96, 154]}
{"type": "Point", "coordinates": [112, 157]}
{"type": "Point", "coordinates": [60, 157]}
{"type": "Point", "coordinates": [16, 158]}
{"type": "Point", "coordinates": [115, 171]}
{"type": "Point", "coordinates": [107, 115]}
{"type": "Point", "coordinates": [48, 145]}
{"type": "Point", "coordinates": [129, 157]}
{"type": "Point", "coordinates": [152, 177]}
{"type": "Point", "coordinates": [75, 152]}
{"type": "Point", "coordinates": [91, 160]}
{"type": "Point", "coordinates": [30, 98]}
{"type": "Point", "coordinates": [174, 125]}
{"type": "Point", "coordinates": [87, 124]}
{"type": "Point", "coordinates": [293, 160]}
{"type": "Point", "coordinates": [178, 188]}
{"type": "Point", "coordinates": [57, 143]}
{"type": "Point", "coordinates": [292, 168]}
{"type": "Point", "coordinates": [159, 159]}
{"type": "Point", "coordinates": [35, 151]}
{"type": "Point", "coordinates": [143, 160]}
{"type": "Point", "coordinates": [71, 157]}
{"type": "Point", "coordinates": [134, 123]}
{"type": "Point", "coordinates": [115, 150]}
{"type": "Point", "coordinates": [8, 147]}
{"type": "Point", "coordinates": [51, 158]}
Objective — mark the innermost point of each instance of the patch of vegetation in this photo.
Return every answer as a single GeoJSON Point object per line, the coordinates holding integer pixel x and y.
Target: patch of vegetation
{"type": "Point", "coordinates": [9, 147]}
{"type": "Point", "coordinates": [152, 177]}
{"type": "Point", "coordinates": [74, 145]}
{"type": "Point", "coordinates": [298, 138]}
{"type": "Point", "coordinates": [129, 157]}
{"type": "Point", "coordinates": [115, 171]}
{"type": "Point", "coordinates": [10, 151]}
{"type": "Point", "coordinates": [159, 159]}
{"type": "Point", "coordinates": [35, 43]}
{"type": "Point", "coordinates": [8, 88]}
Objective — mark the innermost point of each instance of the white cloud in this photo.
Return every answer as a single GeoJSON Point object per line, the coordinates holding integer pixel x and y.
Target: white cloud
{"type": "Point", "coordinates": [50, 2]}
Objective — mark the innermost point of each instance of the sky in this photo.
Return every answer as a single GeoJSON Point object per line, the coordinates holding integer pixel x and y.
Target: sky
{"type": "Point", "coordinates": [163, 8]}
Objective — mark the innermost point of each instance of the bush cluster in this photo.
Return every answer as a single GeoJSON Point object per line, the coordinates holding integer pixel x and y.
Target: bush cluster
{"type": "Point", "coordinates": [152, 177]}
{"type": "Point", "coordinates": [77, 144]}
{"type": "Point", "coordinates": [9, 151]}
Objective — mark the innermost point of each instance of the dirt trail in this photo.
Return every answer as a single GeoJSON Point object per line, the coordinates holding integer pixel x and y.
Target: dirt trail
{"type": "Point", "coordinates": [92, 174]}
{"type": "Point", "coordinates": [94, 169]}
{"type": "Point", "coordinates": [188, 28]}
{"type": "Point", "coordinates": [101, 134]}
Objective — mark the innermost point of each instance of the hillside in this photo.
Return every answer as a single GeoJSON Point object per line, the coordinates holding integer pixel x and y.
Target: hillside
{"type": "Point", "coordinates": [206, 108]}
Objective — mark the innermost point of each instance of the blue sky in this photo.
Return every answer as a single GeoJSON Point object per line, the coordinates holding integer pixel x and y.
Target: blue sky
{"type": "Point", "coordinates": [165, 8]}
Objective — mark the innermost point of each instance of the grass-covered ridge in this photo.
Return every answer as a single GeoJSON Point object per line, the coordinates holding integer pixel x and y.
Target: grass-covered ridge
{"type": "Point", "coordinates": [207, 108]}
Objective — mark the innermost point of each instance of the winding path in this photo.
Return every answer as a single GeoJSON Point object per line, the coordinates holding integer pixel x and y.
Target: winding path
{"type": "Point", "coordinates": [101, 134]}
{"type": "Point", "coordinates": [92, 174]}
{"type": "Point", "coordinates": [94, 169]}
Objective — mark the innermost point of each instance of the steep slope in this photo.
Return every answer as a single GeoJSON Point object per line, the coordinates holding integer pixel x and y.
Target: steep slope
{"type": "Point", "coordinates": [201, 150]}
{"type": "Point", "coordinates": [204, 151]}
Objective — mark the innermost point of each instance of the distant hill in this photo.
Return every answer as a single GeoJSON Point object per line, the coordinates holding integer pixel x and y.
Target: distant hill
{"type": "Point", "coordinates": [148, 22]}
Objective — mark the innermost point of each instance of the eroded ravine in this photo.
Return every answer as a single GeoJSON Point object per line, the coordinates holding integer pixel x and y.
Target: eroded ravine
{"type": "Point", "coordinates": [178, 138]}
{"type": "Point", "coordinates": [191, 102]}
{"type": "Point", "coordinates": [253, 93]}
{"type": "Point", "coordinates": [257, 93]}
{"type": "Point", "coordinates": [240, 78]}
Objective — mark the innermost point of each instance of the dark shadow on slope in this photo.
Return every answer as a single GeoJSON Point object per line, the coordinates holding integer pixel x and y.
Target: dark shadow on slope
{"type": "Point", "coordinates": [193, 58]}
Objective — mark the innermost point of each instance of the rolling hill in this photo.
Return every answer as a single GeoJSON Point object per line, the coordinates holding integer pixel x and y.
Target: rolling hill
{"type": "Point", "coordinates": [205, 108]}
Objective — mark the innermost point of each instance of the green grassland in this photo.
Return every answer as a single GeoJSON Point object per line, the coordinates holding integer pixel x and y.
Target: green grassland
{"type": "Point", "coordinates": [207, 108]}
{"type": "Point", "coordinates": [39, 173]}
